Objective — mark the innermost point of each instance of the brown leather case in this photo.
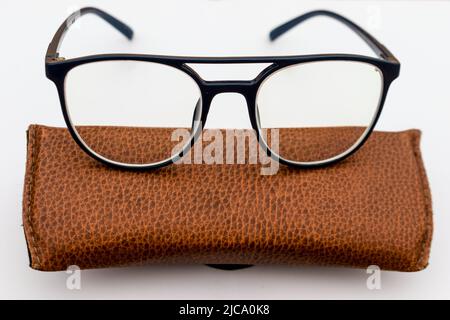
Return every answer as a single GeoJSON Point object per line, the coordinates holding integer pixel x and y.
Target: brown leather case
{"type": "Point", "coordinates": [372, 209]}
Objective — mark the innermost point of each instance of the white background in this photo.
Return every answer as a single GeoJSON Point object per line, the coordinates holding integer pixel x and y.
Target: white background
{"type": "Point", "coordinates": [417, 32]}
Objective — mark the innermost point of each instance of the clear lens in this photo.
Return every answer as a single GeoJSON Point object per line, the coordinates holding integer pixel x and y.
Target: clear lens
{"type": "Point", "coordinates": [320, 109]}
{"type": "Point", "coordinates": [144, 102]}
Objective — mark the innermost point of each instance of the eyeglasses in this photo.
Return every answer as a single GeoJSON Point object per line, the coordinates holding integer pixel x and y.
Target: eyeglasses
{"type": "Point", "coordinates": [122, 108]}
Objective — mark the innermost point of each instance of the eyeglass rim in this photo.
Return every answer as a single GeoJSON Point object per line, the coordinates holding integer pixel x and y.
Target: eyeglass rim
{"type": "Point", "coordinates": [317, 163]}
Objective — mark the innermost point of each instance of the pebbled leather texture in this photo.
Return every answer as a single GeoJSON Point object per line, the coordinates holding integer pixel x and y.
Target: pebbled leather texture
{"type": "Point", "coordinates": [373, 208]}
{"type": "Point", "coordinates": [150, 145]}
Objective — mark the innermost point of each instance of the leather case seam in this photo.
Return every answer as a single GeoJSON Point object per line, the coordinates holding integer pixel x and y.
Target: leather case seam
{"type": "Point", "coordinates": [425, 244]}
{"type": "Point", "coordinates": [32, 241]}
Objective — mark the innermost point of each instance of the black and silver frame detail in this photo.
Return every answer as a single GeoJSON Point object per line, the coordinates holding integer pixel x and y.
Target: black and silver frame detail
{"type": "Point", "coordinates": [57, 68]}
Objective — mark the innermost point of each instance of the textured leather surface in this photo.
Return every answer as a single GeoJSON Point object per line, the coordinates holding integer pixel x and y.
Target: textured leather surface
{"type": "Point", "coordinates": [373, 208]}
{"type": "Point", "coordinates": [149, 145]}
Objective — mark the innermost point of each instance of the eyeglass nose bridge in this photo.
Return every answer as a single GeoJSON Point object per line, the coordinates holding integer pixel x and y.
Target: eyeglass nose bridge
{"type": "Point", "coordinates": [247, 88]}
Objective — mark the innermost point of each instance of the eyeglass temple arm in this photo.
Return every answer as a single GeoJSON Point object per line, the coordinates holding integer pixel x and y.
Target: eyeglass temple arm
{"type": "Point", "coordinates": [53, 48]}
{"type": "Point", "coordinates": [379, 49]}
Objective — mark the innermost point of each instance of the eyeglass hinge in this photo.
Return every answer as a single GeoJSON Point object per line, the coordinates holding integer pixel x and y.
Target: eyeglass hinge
{"type": "Point", "coordinates": [55, 58]}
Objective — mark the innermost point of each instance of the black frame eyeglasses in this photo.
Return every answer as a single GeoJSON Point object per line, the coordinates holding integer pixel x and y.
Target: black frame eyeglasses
{"type": "Point", "coordinates": [57, 68]}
